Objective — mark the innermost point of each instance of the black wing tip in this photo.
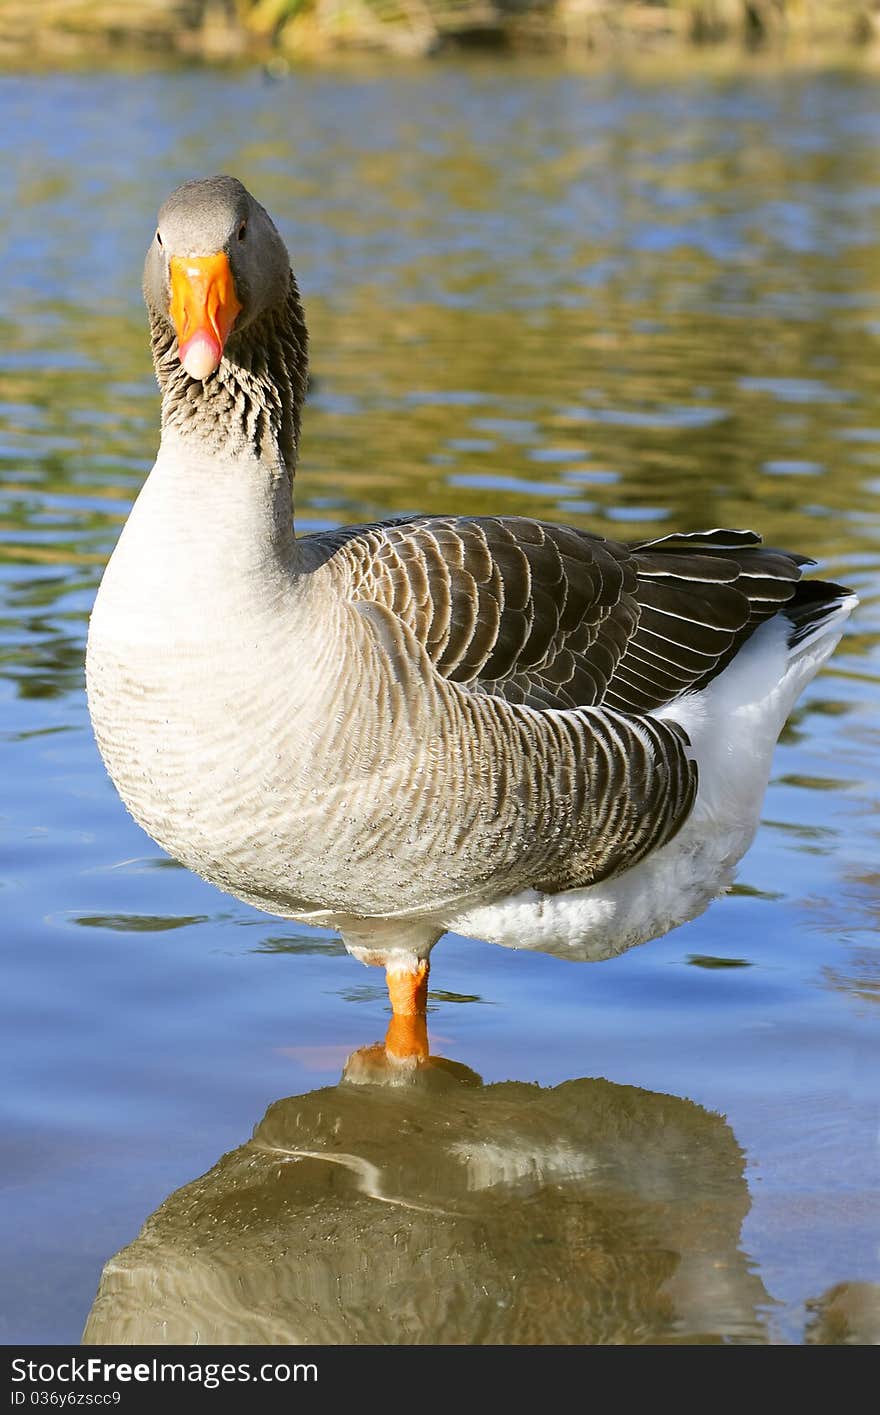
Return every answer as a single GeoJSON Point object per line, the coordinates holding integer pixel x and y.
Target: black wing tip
{"type": "Point", "coordinates": [720, 539]}
{"type": "Point", "coordinates": [793, 555]}
{"type": "Point", "coordinates": [717, 539]}
{"type": "Point", "coordinates": [813, 604]}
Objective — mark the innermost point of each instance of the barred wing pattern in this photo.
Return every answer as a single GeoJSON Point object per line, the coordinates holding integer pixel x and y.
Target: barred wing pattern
{"type": "Point", "coordinates": [700, 597]}
{"type": "Point", "coordinates": [592, 633]}
{"type": "Point", "coordinates": [623, 787]}
{"type": "Point", "coordinates": [553, 617]}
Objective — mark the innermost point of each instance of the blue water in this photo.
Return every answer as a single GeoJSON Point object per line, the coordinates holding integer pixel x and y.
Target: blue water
{"type": "Point", "coordinates": [635, 306]}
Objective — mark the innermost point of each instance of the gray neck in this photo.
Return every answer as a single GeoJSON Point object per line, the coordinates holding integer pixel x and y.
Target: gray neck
{"type": "Point", "coordinates": [250, 408]}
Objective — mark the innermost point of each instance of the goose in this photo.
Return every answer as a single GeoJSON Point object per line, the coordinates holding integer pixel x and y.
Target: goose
{"type": "Point", "coordinates": [516, 730]}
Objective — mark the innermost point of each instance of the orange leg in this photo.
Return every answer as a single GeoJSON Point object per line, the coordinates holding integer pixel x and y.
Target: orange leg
{"type": "Point", "coordinates": [407, 1035]}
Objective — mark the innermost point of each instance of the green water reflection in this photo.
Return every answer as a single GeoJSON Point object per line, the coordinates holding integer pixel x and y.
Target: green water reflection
{"type": "Point", "coordinates": [443, 1212]}
{"type": "Point", "coordinates": [448, 1214]}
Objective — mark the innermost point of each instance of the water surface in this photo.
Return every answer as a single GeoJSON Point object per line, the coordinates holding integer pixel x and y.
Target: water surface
{"type": "Point", "coordinates": [637, 307]}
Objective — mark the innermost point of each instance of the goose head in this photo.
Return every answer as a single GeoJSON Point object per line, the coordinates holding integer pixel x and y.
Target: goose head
{"type": "Point", "coordinates": [229, 339]}
{"type": "Point", "coordinates": [215, 267]}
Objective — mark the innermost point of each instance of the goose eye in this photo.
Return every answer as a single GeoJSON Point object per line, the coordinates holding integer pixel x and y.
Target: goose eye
{"type": "Point", "coordinates": [242, 231]}
{"type": "Point", "coordinates": [159, 241]}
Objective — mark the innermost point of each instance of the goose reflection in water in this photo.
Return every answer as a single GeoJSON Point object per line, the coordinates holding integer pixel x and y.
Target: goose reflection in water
{"type": "Point", "coordinates": [589, 1213]}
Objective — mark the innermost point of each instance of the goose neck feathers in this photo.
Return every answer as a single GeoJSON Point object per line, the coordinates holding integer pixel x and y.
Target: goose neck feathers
{"type": "Point", "coordinates": [251, 406]}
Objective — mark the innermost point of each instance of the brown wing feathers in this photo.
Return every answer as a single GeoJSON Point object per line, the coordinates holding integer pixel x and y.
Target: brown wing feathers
{"type": "Point", "coordinates": [550, 617]}
{"type": "Point", "coordinates": [499, 602]}
{"type": "Point", "coordinates": [695, 612]}
{"type": "Point", "coordinates": [554, 617]}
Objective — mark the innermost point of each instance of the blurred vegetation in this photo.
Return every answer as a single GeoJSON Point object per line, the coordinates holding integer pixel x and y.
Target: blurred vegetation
{"type": "Point", "coordinates": [273, 29]}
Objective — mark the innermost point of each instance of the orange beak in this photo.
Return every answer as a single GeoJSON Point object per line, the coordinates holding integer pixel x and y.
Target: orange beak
{"type": "Point", "coordinates": [204, 307]}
